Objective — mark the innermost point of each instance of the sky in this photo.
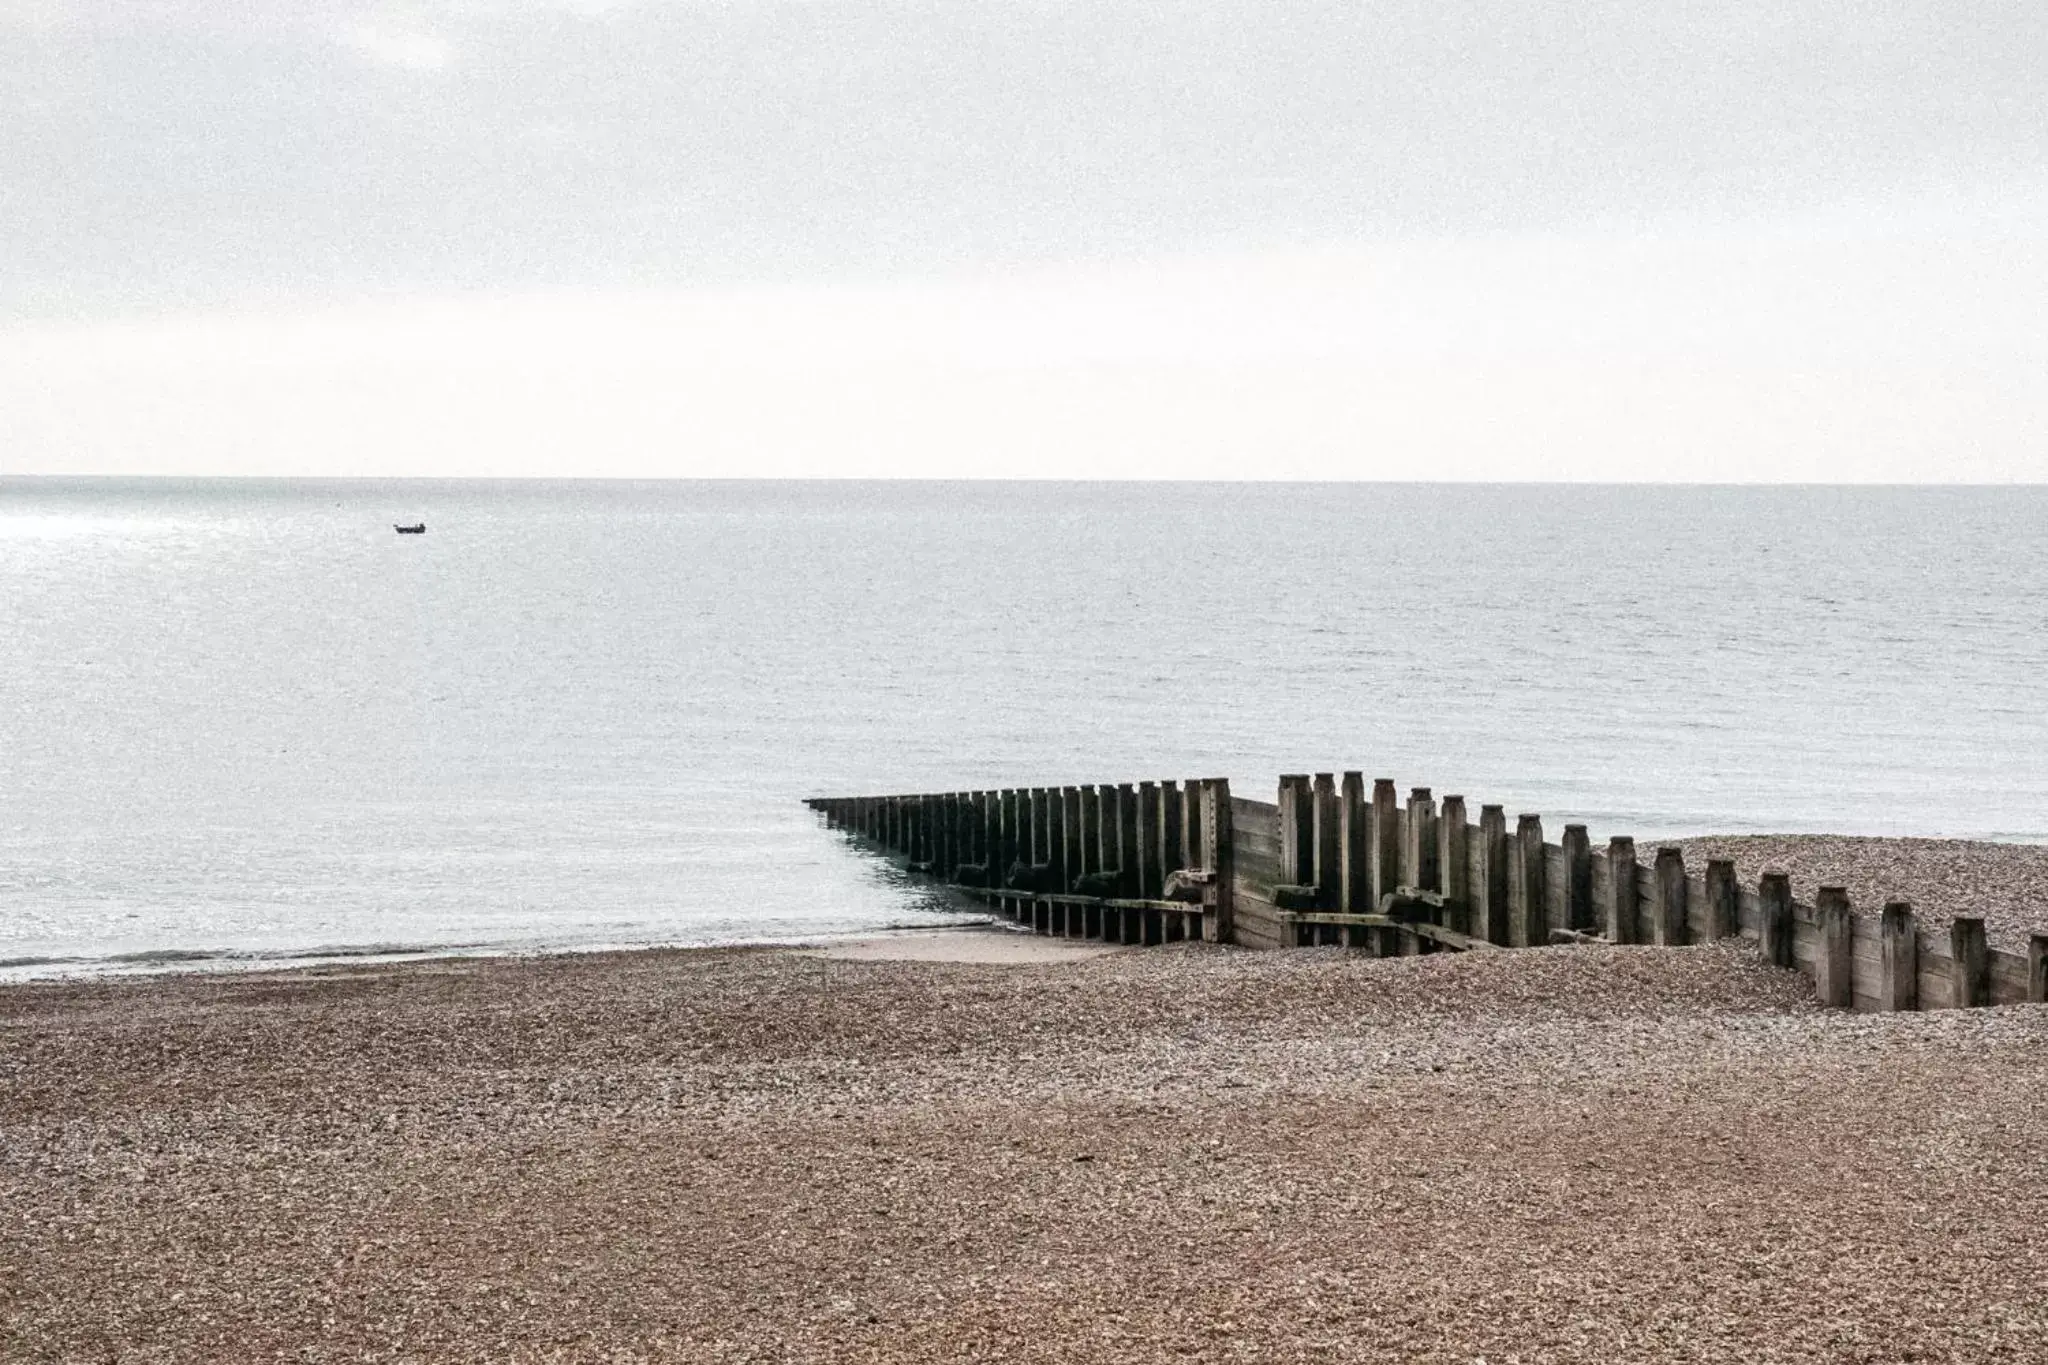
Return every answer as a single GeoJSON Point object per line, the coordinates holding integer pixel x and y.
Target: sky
{"type": "Point", "coordinates": [1788, 241]}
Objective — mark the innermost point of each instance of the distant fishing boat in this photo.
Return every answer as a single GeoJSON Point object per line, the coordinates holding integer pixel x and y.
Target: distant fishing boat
{"type": "Point", "coordinates": [417, 529]}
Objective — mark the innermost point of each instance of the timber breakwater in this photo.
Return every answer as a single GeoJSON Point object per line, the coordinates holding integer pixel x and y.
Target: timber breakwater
{"type": "Point", "coordinates": [1333, 860]}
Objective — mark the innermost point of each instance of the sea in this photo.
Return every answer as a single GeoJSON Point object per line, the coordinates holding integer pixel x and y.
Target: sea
{"type": "Point", "coordinates": [244, 723]}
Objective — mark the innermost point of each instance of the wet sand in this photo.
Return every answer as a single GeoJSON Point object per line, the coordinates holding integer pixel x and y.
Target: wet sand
{"type": "Point", "coordinates": [1174, 1154]}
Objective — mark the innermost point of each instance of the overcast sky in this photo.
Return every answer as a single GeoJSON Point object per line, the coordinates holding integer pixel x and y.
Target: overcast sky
{"type": "Point", "coordinates": [1790, 240]}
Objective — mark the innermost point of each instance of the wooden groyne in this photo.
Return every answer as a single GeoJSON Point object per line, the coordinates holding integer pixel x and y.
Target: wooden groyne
{"type": "Point", "coordinates": [1333, 860]}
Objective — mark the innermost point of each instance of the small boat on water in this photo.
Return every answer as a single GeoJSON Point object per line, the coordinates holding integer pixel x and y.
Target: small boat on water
{"type": "Point", "coordinates": [417, 529]}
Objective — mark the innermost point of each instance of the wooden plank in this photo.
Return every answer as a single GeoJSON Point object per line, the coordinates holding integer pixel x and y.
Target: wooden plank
{"type": "Point", "coordinates": [1557, 891]}
{"type": "Point", "coordinates": [1532, 924]}
{"type": "Point", "coordinates": [1576, 852]}
{"type": "Point", "coordinates": [1899, 958]}
{"type": "Point", "coordinates": [1624, 891]}
{"type": "Point", "coordinates": [1386, 838]}
{"type": "Point", "coordinates": [2008, 977]}
{"type": "Point", "coordinates": [1297, 830]}
{"type": "Point", "coordinates": [2037, 969]}
{"type": "Point", "coordinates": [1258, 923]}
{"type": "Point", "coordinates": [1354, 845]}
{"type": "Point", "coordinates": [1172, 853]}
{"type": "Point", "coordinates": [1831, 976]}
{"type": "Point", "coordinates": [1775, 934]}
{"type": "Point", "coordinates": [1328, 846]}
{"type": "Point", "coordinates": [1151, 875]}
{"type": "Point", "coordinates": [1491, 920]}
{"type": "Point", "coordinates": [1970, 973]}
{"type": "Point", "coordinates": [1667, 875]}
{"type": "Point", "coordinates": [1219, 854]}
{"type": "Point", "coordinates": [1600, 885]}
{"type": "Point", "coordinates": [1353, 919]}
{"type": "Point", "coordinates": [1720, 912]}
{"type": "Point", "coordinates": [1418, 856]}
{"type": "Point", "coordinates": [1450, 938]}
{"type": "Point", "coordinates": [1453, 862]}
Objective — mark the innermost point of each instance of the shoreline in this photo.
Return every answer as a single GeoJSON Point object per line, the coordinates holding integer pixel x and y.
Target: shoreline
{"type": "Point", "coordinates": [2006, 883]}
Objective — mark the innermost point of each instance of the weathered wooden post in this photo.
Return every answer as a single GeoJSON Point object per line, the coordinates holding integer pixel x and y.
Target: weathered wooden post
{"type": "Point", "coordinates": [1532, 925]}
{"type": "Point", "coordinates": [1899, 958]}
{"type": "Point", "coordinates": [1091, 831]}
{"type": "Point", "coordinates": [1722, 914]}
{"type": "Point", "coordinates": [1219, 919]}
{"type": "Point", "coordinates": [1774, 921]}
{"type": "Point", "coordinates": [1128, 857]}
{"type": "Point", "coordinates": [1386, 839]}
{"type": "Point", "coordinates": [1071, 861]}
{"type": "Point", "coordinates": [1151, 880]}
{"type": "Point", "coordinates": [1832, 964]}
{"type": "Point", "coordinates": [1354, 847]}
{"type": "Point", "coordinates": [1578, 878]}
{"type": "Point", "coordinates": [1191, 823]}
{"type": "Point", "coordinates": [1173, 854]}
{"type": "Point", "coordinates": [1621, 890]}
{"type": "Point", "coordinates": [1006, 834]}
{"type": "Point", "coordinates": [1454, 873]}
{"type": "Point", "coordinates": [1419, 856]}
{"type": "Point", "coordinates": [1297, 830]}
{"type": "Point", "coordinates": [1972, 962]}
{"type": "Point", "coordinates": [1328, 843]}
{"type": "Point", "coordinates": [992, 834]}
{"type": "Point", "coordinates": [1493, 923]}
{"type": "Point", "coordinates": [2037, 969]}
{"type": "Point", "coordinates": [1668, 873]}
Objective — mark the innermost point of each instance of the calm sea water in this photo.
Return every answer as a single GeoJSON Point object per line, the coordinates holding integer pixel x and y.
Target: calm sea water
{"type": "Point", "coordinates": [247, 721]}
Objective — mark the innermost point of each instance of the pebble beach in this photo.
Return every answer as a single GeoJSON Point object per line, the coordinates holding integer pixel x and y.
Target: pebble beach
{"type": "Point", "coordinates": [893, 1154]}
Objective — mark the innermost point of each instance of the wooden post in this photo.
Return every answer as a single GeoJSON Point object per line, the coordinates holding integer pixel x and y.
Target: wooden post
{"type": "Point", "coordinates": [1297, 830]}
{"type": "Point", "coordinates": [1173, 854]}
{"type": "Point", "coordinates": [1532, 926]}
{"type": "Point", "coordinates": [1056, 841]}
{"type": "Point", "coordinates": [2037, 969]}
{"type": "Point", "coordinates": [1328, 843]}
{"type": "Point", "coordinates": [1129, 857]}
{"type": "Point", "coordinates": [1091, 831]}
{"type": "Point", "coordinates": [1219, 922]}
{"type": "Point", "coordinates": [1109, 830]}
{"type": "Point", "coordinates": [1494, 923]}
{"type": "Point", "coordinates": [1899, 957]}
{"type": "Point", "coordinates": [1669, 874]}
{"type": "Point", "coordinates": [1774, 928]}
{"type": "Point", "coordinates": [1723, 910]}
{"type": "Point", "coordinates": [1972, 965]}
{"type": "Point", "coordinates": [1621, 890]}
{"type": "Point", "coordinates": [1578, 878]}
{"type": "Point", "coordinates": [1151, 880]}
{"type": "Point", "coordinates": [1386, 839]}
{"type": "Point", "coordinates": [1014, 847]}
{"type": "Point", "coordinates": [1354, 844]}
{"type": "Point", "coordinates": [1191, 824]}
{"type": "Point", "coordinates": [1832, 964]}
{"type": "Point", "coordinates": [1419, 857]}
{"type": "Point", "coordinates": [1071, 860]}
{"type": "Point", "coordinates": [1454, 873]}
